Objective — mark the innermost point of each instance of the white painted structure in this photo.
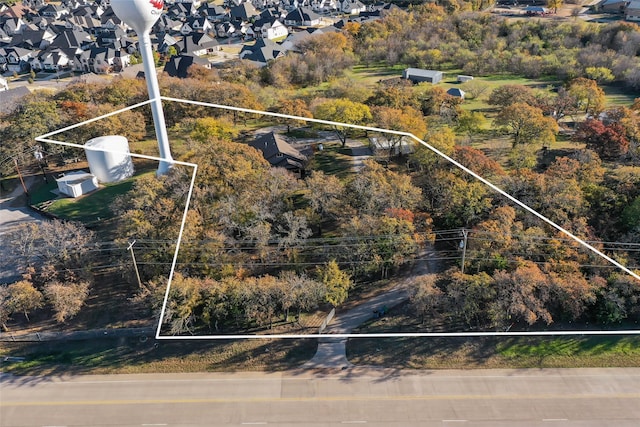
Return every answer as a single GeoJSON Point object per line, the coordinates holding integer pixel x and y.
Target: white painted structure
{"type": "Point", "coordinates": [112, 165]}
{"type": "Point", "coordinates": [75, 184]}
{"type": "Point", "coordinates": [141, 15]}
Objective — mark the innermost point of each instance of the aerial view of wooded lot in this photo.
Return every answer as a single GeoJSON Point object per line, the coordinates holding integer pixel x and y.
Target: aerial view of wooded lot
{"type": "Point", "coordinates": [547, 109]}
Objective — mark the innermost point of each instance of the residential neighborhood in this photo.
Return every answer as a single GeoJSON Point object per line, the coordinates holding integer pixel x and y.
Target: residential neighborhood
{"type": "Point", "coordinates": [85, 36]}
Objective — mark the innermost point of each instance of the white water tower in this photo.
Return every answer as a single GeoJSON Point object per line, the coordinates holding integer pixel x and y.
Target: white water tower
{"type": "Point", "coordinates": [141, 15]}
{"type": "Point", "coordinates": [108, 158]}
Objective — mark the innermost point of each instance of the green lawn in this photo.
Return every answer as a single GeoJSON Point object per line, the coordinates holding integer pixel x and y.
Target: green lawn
{"type": "Point", "coordinates": [496, 353]}
{"type": "Point", "coordinates": [92, 207]}
{"type": "Point", "coordinates": [615, 347]}
{"type": "Point", "coordinates": [618, 95]}
{"type": "Point", "coordinates": [332, 160]}
{"type": "Point", "coordinates": [132, 355]}
{"type": "Point", "coordinates": [374, 73]}
{"type": "Point", "coordinates": [43, 192]}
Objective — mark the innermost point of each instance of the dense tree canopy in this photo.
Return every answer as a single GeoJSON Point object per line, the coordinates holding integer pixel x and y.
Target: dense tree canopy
{"type": "Point", "coordinates": [527, 124]}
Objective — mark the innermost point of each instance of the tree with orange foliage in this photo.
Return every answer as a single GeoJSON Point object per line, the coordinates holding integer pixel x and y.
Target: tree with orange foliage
{"type": "Point", "coordinates": [521, 296]}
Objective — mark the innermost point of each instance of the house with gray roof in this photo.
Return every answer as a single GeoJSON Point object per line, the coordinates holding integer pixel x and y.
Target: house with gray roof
{"type": "Point", "coordinates": [182, 10]}
{"type": "Point", "coordinates": [178, 66]}
{"type": "Point", "coordinates": [197, 45]}
{"type": "Point", "coordinates": [225, 29]}
{"type": "Point", "coordinates": [52, 59]}
{"type": "Point", "coordinates": [279, 153]}
{"type": "Point", "coordinates": [196, 24]}
{"type": "Point", "coordinates": [212, 12]}
{"type": "Point", "coordinates": [244, 12]}
{"type": "Point", "coordinates": [33, 39]}
{"type": "Point", "coordinates": [13, 26]}
{"type": "Point", "coordinates": [613, 6]}
{"type": "Point", "coordinates": [263, 51]}
{"type": "Point", "coordinates": [102, 60]}
{"type": "Point", "coordinates": [273, 30]}
{"type": "Point", "coordinates": [632, 11]}
{"type": "Point", "coordinates": [55, 11]}
{"type": "Point", "coordinates": [302, 17]}
{"type": "Point", "coordinates": [352, 7]}
{"type": "Point", "coordinates": [16, 59]}
{"type": "Point", "coordinates": [68, 39]}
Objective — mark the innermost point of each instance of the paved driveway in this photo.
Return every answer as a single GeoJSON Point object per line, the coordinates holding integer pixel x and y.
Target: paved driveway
{"type": "Point", "coordinates": [13, 213]}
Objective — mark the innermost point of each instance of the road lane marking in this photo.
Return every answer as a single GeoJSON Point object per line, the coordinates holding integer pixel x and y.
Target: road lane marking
{"type": "Point", "coordinates": [549, 420]}
{"type": "Point", "coordinates": [325, 399]}
{"type": "Point", "coordinates": [354, 422]}
{"type": "Point", "coordinates": [154, 424]}
{"type": "Point", "coordinates": [258, 423]}
{"type": "Point", "coordinates": [454, 421]}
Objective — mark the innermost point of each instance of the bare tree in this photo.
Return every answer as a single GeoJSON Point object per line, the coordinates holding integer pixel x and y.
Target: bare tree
{"type": "Point", "coordinates": [426, 297]}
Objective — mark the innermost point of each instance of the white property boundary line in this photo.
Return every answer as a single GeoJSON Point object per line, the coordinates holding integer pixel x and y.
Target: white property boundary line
{"type": "Point", "coordinates": [46, 138]}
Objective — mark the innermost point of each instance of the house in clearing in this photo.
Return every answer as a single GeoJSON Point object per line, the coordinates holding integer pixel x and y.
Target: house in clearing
{"type": "Point", "coordinates": [632, 13]}
{"type": "Point", "coordinates": [613, 6]}
{"type": "Point", "coordinates": [533, 10]}
{"type": "Point", "coordinates": [418, 75]}
{"type": "Point", "coordinates": [279, 153]}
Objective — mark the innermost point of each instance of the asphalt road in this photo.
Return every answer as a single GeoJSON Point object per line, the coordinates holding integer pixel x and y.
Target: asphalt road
{"type": "Point", "coordinates": [12, 215]}
{"type": "Point", "coordinates": [499, 398]}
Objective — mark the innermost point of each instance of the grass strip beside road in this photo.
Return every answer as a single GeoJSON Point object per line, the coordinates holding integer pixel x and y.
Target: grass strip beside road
{"type": "Point", "coordinates": [496, 352]}
{"type": "Point", "coordinates": [133, 356]}
{"type": "Point", "coordinates": [130, 356]}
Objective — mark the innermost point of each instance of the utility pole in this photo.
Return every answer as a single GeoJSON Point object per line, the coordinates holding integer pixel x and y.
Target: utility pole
{"type": "Point", "coordinates": [135, 264]}
{"type": "Point", "coordinates": [463, 244]}
{"type": "Point", "coordinates": [24, 187]}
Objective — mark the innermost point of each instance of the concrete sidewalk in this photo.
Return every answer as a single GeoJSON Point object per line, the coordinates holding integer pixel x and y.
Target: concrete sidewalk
{"type": "Point", "coordinates": [332, 352]}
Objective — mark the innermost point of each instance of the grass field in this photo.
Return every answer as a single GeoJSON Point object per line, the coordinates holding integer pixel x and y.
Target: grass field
{"type": "Point", "coordinates": [332, 160]}
{"type": "Point", "coordinates": [484, 352]}
{"type": "Point", "coordinates": [131, 356]}
{"type": "Point", "coordinates": [90, 208]}
{"type": "Point", "coordinates": [615, 94]}
{"type": "Point", "coordinates": [493, 352]}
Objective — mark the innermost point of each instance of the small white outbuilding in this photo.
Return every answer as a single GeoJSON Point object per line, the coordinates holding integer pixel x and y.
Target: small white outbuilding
{"type": "Point", "coordinates": [75, 184]}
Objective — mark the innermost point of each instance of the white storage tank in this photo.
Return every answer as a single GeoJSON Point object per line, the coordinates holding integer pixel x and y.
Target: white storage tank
{"type": "Point", "coordinates": [112, 165]}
